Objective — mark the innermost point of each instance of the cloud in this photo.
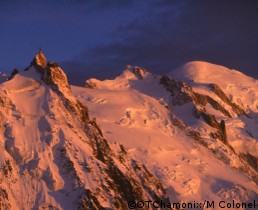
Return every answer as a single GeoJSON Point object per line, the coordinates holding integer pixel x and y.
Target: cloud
{"type": "Point", "coordinates": [170, 33]}
{"type": "Point", "coordinates": [100, 5]}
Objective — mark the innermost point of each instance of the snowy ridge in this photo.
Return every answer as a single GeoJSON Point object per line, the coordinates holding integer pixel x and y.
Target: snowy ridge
{"type": "Point", "coordinates": [240, 88]}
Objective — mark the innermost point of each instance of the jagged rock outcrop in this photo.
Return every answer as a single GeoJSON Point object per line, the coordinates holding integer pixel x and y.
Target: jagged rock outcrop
{"type": "Point", "coordinates": [177, 89]}
{"type": "Point", "coordinates": [14, 72]}
{"type": "Point", "coordinates": [216, 89]}
{"type": "Point", "coordinates": [90, 84]}
{"type": "Point", "coordinates": [39, 61]}
{"type": "Point", "coordinates": [252, 160]}
{"type": "Point", "coordinates": [54, 76]}
{"type": "Point", "coordinates": [139, 72]}
{"type": "Point", "coordinates": [4, 201]}
{"type": "Point", "coordinates": [221, 133]}
{"type": "Point", "coordinates": [182, 94]}
{"type": "Point", "coordinates": [57, 80]}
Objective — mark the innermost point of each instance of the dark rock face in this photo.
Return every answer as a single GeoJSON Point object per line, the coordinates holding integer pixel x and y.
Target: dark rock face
{"type": "Point", "coordinates": [182, 94]}
{"type": "Point", "coordinates": [139, 72]}
{"type": "Point", "coordinates": [223, 131]}
{"type": "Point", "coordinates": [221, 128]}
{"type": "Point", "coordinates": [55, 77]}
{"type": "Point", "coordinates": [57, 80]}
{"type": "Point", "coordinates": [14, 72]}
{"type": "Point", "coordinates": [4, 202]}
{"type": "Point", "coordinates": [90, 84]}
{"type": "Point", "coordinates": [252, 160]}
{"type": "Point", "coordinates": [216, 89]}
{"type": "Point", "coordinates": [89, 201]}
{"type": "Point", "coordinates": [180, 91]}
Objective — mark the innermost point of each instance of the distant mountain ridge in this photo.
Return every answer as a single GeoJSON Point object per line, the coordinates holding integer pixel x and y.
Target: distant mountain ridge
{"type": "Point", "coordinates": [188, 136]}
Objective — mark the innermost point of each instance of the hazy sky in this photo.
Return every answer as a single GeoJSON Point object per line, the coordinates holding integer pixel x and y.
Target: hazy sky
{"type": "Point", "coordinates": [98, 38]}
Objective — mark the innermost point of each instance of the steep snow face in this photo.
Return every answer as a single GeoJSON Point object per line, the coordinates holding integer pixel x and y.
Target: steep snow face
{"type": "Point", "coordinates": [235, 92]}
{"type": "Point", "coordinates": [241, 89]}
{"type": "Point", "coordinates": [176, 129]}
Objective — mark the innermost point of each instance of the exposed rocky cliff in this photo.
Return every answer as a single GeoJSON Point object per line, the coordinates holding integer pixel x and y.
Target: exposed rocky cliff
{"type": "Point", "coordinates": [182, 94]}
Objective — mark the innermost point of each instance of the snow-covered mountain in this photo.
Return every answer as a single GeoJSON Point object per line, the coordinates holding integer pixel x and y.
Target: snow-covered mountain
{"type": "Point", "coordinates": [189, 136]}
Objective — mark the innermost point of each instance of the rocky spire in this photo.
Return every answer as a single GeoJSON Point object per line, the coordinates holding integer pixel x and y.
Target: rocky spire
{"type": "Point", "coordinates": [54, 76]}
{"type": "Point", "coordinates": [50, 72]}
{"type": "Point", "coordinates": [39, 61]}
{"type": "Point", "coordinates": [138, 71]}
{"type": "Point", "coordinates": [57, 80]}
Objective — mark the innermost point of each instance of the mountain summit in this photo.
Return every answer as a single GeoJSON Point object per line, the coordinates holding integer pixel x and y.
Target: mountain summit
{"type": "Point", "coordinates": [138, 137]}
{"type": "Point", "coordinates": [40, 60]}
